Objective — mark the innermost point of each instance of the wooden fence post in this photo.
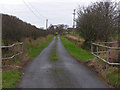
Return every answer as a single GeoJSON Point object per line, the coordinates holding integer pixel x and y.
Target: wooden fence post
{"type": "Point", "coordinates": [0, 51]}
{"type": "Point", "coordinates": [119, 40]}
{"type": "Point", "coordinates": [107, 59]}
{"type": "Point", "coordinates": [22, 47]}
{"type": "Point", "coordinates": [97, 51]}
{"type": "Point", "coordinates": [91, 48]}
{"type": "Point", "coordinates": [15, 52]}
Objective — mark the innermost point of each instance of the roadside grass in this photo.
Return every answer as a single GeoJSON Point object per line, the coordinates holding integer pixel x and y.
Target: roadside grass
{"type": "Point", "coordinates": [10, 78]}
{"type": "Point", "coordinates": [78, 41]}
{"type": "Point", "coordinates": [75, 51]}
{"type": "Point", "coordinates": [116, 37]}
{"type": "Point", "coordinates": [31, 49]}
{"type": "Point", "coordinates": [40, 44]}
{"type": "Point", "coordinates": [112, 76]}
{"type": "Point", "coordinates": [11, 73]}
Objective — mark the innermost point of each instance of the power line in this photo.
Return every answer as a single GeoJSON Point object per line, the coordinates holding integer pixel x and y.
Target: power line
{"type": "Point", "coordinates": [36, 10]}
{"type": "Point", "coordinates": [39, 12]}
{"type": "Point", "coordinates": [30, 9]}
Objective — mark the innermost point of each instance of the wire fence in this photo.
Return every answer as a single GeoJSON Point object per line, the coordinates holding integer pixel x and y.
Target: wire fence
{"type": "Point", "coordinates": [16, 53]}
{"type": "Point", "coordinates": [104, 47]}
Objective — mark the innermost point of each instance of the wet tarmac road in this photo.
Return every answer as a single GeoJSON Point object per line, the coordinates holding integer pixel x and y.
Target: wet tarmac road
{"type": "Point", "coordinates": [64, 73]}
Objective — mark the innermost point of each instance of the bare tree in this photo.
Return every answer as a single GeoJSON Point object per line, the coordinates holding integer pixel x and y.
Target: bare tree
{"type": "Point", "coordinates": [97, 21]}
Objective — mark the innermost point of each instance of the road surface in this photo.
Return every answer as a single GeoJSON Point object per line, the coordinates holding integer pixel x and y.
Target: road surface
{"type": "Point", "coordinates": [64, 73]}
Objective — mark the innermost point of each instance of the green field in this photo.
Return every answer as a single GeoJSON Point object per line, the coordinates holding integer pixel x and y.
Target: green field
{"type": "Point", "coordinates": [75, 51]}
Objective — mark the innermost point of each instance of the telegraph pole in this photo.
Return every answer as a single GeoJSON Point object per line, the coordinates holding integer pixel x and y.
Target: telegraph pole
{"type": "Point", "coordinates": [46, 24]}
{"type": "Point", "coordinates": [119, 38]}
{"type": "Point", "coordinates": [0, 51]}
{"type": "Point", "coordinates": [74, 18]}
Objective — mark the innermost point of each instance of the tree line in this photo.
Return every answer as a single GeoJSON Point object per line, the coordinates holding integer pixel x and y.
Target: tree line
{"type": "Point", "coordinates": [14, 30]}
{"type": "Point", "coordinates": [60, 28]}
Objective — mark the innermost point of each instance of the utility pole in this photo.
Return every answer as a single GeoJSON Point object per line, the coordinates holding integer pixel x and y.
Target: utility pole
{"type": "Point", "coordinates": [0, 51]}
{"type": "Point", "coordinates": [119, 39]}
{"type": "Point", "coordinates": [46, 24]}
{"type": "Point", "coordinates": [74, 19]}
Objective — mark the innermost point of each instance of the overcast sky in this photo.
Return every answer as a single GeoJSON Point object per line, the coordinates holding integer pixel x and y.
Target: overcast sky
{"type": "Point", "coordinates": [37, 11]}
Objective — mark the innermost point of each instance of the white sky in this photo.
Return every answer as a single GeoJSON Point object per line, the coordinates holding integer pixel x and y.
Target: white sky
{"type": "Point", "coordinates": [56, 11]}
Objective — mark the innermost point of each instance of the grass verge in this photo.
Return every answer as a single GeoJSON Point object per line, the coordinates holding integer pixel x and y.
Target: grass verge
{"type": "Point", "coordinates": [36, 50]}
{"type": "Point", "coordinates": [10, 78]}
{"type": "Point", "coordinates": [75, 51]}
{"type": "Point", "coordinates": [11, 70]}
{"type": "Point", "coordinates": [111, 76]}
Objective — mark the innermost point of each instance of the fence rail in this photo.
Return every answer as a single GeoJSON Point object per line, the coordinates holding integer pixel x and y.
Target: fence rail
{"type": "Point", "coordinates": [107, 51]}
{"type": "Point", "coordinates": [15, 51]}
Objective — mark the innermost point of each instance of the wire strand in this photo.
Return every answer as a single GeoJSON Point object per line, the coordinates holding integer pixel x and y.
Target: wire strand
{"type": "Point", "coordinates": [30, 9]}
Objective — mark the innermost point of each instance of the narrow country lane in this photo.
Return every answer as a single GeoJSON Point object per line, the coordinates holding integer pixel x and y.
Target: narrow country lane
{"type": "Point", "coordinates": [64, 73]}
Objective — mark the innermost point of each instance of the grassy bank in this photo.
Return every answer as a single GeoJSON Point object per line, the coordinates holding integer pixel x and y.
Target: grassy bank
{"type": "Point", "coordinates": [10, 78]}
{"type": "Point", "coordinates": [111, 76]}
{"type": "Point", "coordinates": [75, 51]}
{"type": "Point", "coordinates": [32, 48]}
{"type": "Point", "coordinates": [40, 44]}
